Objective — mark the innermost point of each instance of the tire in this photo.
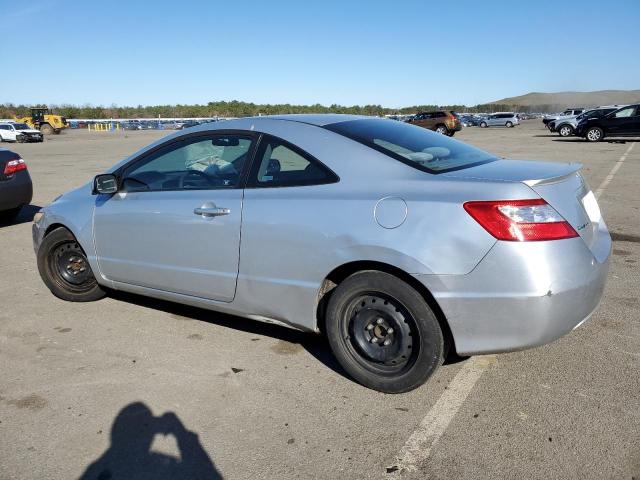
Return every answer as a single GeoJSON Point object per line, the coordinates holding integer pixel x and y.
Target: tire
{"type": "Point", "coordinates": [508, 125]}
{"type": "Point", "coordinates": [64, 268]}
{"type": "Point", "coordinates": [483, 125]}
{"type": "Point", "coordinates": [442, 129]}
{"type": "Point", "coordinates": [594, 134]}
{"type": "Point", "coordinates": [565, 131]}
{"type": "Point", "coordinates": [46, 129]}
{"type": "Point", "coordinates": [450, 133]}
{"type": "Point", "coordinates": [1, 139]}
{"type": "Point", "coordinates": [371, 308]}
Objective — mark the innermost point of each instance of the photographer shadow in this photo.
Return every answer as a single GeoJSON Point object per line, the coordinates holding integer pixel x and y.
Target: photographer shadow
{"type": "Point", "coordinates": [130, 457]}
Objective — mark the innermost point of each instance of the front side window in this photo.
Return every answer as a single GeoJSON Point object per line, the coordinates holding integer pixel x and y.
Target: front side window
{"type": "Point", "coordinates": [197, 163]}
{"type": "Point", "coordinates": [415, 146]}
{"type": "Point", "coordinates": [21, 126]}
{"type": "Point", "coordinates": [280, 164]}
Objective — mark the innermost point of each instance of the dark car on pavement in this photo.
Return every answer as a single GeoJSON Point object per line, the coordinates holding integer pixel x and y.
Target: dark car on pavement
{"type": "Point", "coordinates": [441, 121]}
{"type": "Point", "coordinates": [15, 184]}
{"type": "Point", "coordinates": [624, 122]}
{"type": "Point", "coordinates": [189, 124]}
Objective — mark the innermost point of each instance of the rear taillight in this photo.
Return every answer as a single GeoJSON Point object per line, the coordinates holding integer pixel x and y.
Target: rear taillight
{"type": "Point", "coordinates": [13, 166]}
{"type": "Point", "coordinates": [520, 220]}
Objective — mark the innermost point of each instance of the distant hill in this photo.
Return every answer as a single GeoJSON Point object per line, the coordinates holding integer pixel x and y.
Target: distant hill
{"type": "Point", "coordinates": [562, 100]}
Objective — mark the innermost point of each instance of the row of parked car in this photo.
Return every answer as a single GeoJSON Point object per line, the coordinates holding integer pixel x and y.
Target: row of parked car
{"type": "Point", "coordinates": [597, 123]}
{"type": "Point", "coordinates": [145, 124]}
{"type": "Point", "coordinates": [593, 124]}
{"type": "Point", "coordinates": [449, 122]}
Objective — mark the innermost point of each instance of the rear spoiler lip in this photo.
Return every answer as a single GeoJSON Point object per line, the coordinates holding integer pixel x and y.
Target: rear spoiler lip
{"type": "Point", "coordinates": [576, 167]}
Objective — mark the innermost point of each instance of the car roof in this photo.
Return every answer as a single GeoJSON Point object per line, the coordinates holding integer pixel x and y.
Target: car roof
{"type": "Point", "coordinates": [319, 119]}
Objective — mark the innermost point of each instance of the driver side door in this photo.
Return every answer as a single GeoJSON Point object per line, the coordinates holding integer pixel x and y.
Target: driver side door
{"type": "Point", "coordinates": [174, 225]}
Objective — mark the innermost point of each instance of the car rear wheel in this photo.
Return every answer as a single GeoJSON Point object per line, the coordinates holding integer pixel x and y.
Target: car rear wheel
{"type": "Point", "coordinates": [64, 268]}
{"type": "Point", "coordinates": [594, 134]}
{"type": "Point", "coordinates": [483, 124]}
{"type": "Point", "coordinates": [383, 332]}
{"type": "Point", "coordinates": [565, 131]}
{"type": "Point", "coordinates": [442, 129]}
{"type": "Point", "coordinates": [508, 124]}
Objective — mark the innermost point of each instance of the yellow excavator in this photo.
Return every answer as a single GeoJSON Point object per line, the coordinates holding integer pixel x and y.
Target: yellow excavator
{"type": "Point", "coordinates": [42, 119]}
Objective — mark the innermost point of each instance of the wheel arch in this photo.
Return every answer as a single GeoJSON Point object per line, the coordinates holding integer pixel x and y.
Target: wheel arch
{"type": "Point", "coordinates": [56, 225]}
{"type": "Point", "coordinates": [340, 273]}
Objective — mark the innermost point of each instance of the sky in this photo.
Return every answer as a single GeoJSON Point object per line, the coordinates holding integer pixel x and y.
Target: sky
{"type": "Point", "coordinates": [393, 53]}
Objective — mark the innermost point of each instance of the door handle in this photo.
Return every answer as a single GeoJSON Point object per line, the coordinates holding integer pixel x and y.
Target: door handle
{"type": "Point", "coordinates": [209, 209]}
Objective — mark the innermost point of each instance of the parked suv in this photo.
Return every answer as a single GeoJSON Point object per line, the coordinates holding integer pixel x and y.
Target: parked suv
{"type": "Point", "coordinates": [441, 121]}
{"type": "Point", "coordinates": [19, 132]}
{"type": "Point", "coordinates": [567, 113]}
{"type": "Point", "coordinates": [504, 119]}
{"type": "Point", "coordinates": [566, 126]}
{"type": "Point", "coordinates": [623, 122]}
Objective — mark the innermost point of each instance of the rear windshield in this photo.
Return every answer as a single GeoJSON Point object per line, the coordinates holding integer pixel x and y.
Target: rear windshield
{"type": "Point", "coordinates": [416, 146]}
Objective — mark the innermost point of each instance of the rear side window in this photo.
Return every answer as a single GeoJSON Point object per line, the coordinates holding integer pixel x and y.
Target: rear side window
{"type": "Point", "coordinates": [624, 112]}
{"type": "Point", "coordinates": [280, 164]}
{"type": "Point", "coordinates": [418, 147]}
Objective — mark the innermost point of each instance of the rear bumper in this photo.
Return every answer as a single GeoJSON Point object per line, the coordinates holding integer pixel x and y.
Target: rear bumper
{"type": "Point", "coordinates": [16, 191]}
{"type": "Point", "coordinates": [522, 294]}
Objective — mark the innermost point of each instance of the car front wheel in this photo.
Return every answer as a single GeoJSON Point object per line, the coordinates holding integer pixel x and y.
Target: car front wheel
{"type": "Point", "coordinates": [508, 124]}
{"type": "Point", "coordinates": [594, 134]}
{"type": "Point", "coordinates": [64, 268]}
{"type": "Point", "coordinates": [565, 131]}
{"type": "Point", "coordinates": [483, 124]}
{"type": "Point", "coordinates": [383, 332]}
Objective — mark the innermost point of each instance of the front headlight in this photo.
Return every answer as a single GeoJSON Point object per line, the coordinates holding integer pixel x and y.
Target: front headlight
{"type": "Point", "coordinates": [38, 216]}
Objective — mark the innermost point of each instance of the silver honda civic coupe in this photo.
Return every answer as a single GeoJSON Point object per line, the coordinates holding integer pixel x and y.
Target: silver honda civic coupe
{"type": "Point", "coordinates": [395, 242]}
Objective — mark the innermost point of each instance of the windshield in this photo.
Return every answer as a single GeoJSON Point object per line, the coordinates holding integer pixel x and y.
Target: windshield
{"type": "Point", "coordinates": [416, 146]}
{"type": "Point", "coordinates": [21, 126]}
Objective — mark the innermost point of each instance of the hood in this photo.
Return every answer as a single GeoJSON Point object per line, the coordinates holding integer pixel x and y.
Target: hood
{"type": "Point", "coordinates": [525, 171]}
{"type": "Point", "coordinates": [29, 131]}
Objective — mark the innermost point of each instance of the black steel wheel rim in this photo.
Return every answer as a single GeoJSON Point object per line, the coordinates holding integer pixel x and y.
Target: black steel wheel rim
{"type": "Point", "coordinates": [381, 333]}
{"type": "Point", "coordinates": [71, 265]}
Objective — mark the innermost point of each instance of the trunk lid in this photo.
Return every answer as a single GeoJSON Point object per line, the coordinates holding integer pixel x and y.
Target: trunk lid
{"type": "Point", "coordinates": [561, 185]}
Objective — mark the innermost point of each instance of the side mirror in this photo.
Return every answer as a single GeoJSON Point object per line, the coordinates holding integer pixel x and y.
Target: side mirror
{"type": "Point", "coordinates": [105, 184]}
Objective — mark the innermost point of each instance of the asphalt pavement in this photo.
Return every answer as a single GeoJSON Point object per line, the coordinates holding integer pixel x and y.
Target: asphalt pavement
{"type": "Point", "coordinates": [145, 384]}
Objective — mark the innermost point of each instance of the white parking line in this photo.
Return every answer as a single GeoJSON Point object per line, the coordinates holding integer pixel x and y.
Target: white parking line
{"type": "Point", "coordinates": [613, 171]}
{"type": "Point", "coordinates": [435, 423]}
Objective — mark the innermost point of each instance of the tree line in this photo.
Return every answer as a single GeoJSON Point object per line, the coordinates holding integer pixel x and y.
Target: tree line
{"type": "Point", "coordinates": [237, 108]}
